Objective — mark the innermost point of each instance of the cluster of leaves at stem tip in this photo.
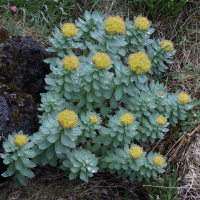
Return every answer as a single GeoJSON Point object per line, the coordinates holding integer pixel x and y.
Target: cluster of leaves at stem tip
{"type": "Point", "coordinates": [101, 107]}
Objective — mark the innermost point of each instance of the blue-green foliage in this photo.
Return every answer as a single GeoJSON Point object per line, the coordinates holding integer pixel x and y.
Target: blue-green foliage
{"type": "Point", "coordinates": [108, 94]}
{"type": "Point", "coordinates": [80, 162]}
{"type": "Point", "coordinates": [18, 159]}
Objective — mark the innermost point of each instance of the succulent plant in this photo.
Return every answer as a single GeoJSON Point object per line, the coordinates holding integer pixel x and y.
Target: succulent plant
{"type": "Point", "coordinates": [80, 162]}
{"type": "Point", "coordinates": [18, 153]}
{"type": "Point", "coordinates": [160, 51]}
{"type": "Point", "coordinates": [154, 164]}
{"type": "Point", "coordinates": [53, 101]}
{"type": "Point", "coordinates": [152, 128]}
{"type": "Point", "coordinates": [96, 83]}
{"type": "Point", "coordinates": [138, 33]}
{"type": "Point", "coordinates": [121, 129]}
{"type": "Point", "coordinates": [176, 107]}
{"type": "Point", "coordinates": [126, 161]}
{"type": "Point", "coordinates": [57, 134]}
{"type": "Point", "coordinates": [101, 98]}
{"type": "Point", "coordinates": [89, 123]}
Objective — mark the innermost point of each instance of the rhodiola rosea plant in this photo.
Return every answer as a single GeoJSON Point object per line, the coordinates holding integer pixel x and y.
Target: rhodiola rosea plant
{"type": "Point", "coordinates": [101, 107]}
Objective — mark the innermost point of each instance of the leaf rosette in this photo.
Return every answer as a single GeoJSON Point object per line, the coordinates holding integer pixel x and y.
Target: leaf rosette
{"type": "Point", "coordinates": [117, 132]}
{"type": "Point", "coordinates": [53, 141]}
{"type": "Point", "coordinates": [121, 161]}
{"type": "Point", "coordinates": [89, 123]}
{"type": "Point", "coordinates": [18, 154]}
{"type": "Point", "coordinates": [80, 162]}
{"type": "Point", "coordinates": [150, 169]}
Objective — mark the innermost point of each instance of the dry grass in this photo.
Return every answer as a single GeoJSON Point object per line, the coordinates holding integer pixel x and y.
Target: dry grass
{"type": "Point", "coordinates": [52, 184]}
{"type": "Point", "coordinates": [192, 177]}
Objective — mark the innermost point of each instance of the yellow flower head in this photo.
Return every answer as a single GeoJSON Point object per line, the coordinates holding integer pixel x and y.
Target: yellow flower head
{"type": "Point", "coordinates": [158, 160]}
{"type": "Point", "coordinates": [161, 120]}
{"type": "Point", "coordinates": [139, 62]}
{"type": "Point", "coordinates": [127, 119]}
{"type": "Point", "coordinates": [20, 140]}
{"type": "Point", "coordinates": [93, 118]}
{"type": "Point", "coordinates": [115, 25]}
{"type": "Point", "coordinates": [101, 60]}
{"type": "Point", "coordinates": [167, 45]}
{"type": "Point", "coordinates": [67, 119]}
{"type": "Point", "coordinates": [71, 62]}
{"type": "Point", "coordinates": [136, 152]}
{"type": "Point", "coordinates": [69, 29]}
{"type": "Point", "coordinates": [183, 98]}
{"type": "Point", "coordinates": [142, 23]}
{"type": "Point", "coordinates": [160, 94]}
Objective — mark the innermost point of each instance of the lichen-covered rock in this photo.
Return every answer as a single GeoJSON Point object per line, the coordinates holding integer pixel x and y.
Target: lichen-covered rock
{"type": "Point", "coordinates": [22, 73]}
{"type": "Point", "coordinates": [21, 63]}
{"type": "Point", "coordinates": [17, 112]}
{"type": "Point", "coordinates": [4, 34]}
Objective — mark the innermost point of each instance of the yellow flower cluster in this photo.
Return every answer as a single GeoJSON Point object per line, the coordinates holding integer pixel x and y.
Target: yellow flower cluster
{"type": "Point", "coordinates": [183, 98]}
{"type": "Point", "coordinates": [20, 140]}
{"type": "Point", "coordinates": [93, 118]}
{"type": "Point", "coordinates": [69, 29]}
{"type": "Point", "coordinates": [71, 62]}
{"type": "Point", "coordinates": [167, 45]}
{"type": "Point", "coordinates": [160, 94]}
{"type": "Point", "coordinates": [139, 62]}
{"type": "Point", "coordinates": [115, 25]}
{"type": "Point", "coordinates": [67, 119]}
{"type": "Point", "coordinates": [158, 160]}
{"type": "Point", "coordinates": [142, 23]}
{"type": "Point", "coordinates": [161, 120]}
{"type": "Point", "coordinates": [101, 60]}
{"type": "Point", "coordinates": [136, 152]}
{"type": "Point", "coordinates": [127, 119]}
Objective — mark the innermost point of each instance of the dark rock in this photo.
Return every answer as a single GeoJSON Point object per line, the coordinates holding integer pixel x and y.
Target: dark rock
{"type": "Point", "coordinates": [17, 112]}
{"type": "Point", "coordinates": [22, 73]}
{"type": "Point", "coordinates": [4, 34]}
{"type": "Point", "coordinates": [21, 63]}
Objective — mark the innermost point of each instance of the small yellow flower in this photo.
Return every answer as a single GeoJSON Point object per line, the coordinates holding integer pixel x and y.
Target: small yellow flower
{"type": "Point", "coordinates": [115, 25]}
{"type": "Point", "coordinates": [136, 152]}
{"type": "Point", "coordinates": [69, 29]}
{"type": "Point", "coordinates": [20, 140]}
{"type": "Point", "coordinates": [139, 62]}
{"type": "Point", "coordinates": [161, 120]}
{"type": "Point", "coordinates": [67, 119]}
{"type": "Point", "coordinates": [93, 118]}
{"type": "Point", "coordinates": [160, 94]}
{"type": "Point", "coordinates": [71, 62]}
{"type": "Point", "coordinates": [127, 119]}
{"type": "Point", "coordinates": [167, 45]}
{"type": "Point", "coordinates": [183, 98]}
{"type": "Point", "coordinates": [101, 60]}
{"type": "Point", "coordinates": [142, 23]}
{"type": "Point", "coordinates": [158, 160]}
